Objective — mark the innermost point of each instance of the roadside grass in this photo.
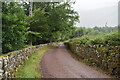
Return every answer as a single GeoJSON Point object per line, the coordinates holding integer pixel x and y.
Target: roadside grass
{"type": "Point", "coordinates": [31, 68]}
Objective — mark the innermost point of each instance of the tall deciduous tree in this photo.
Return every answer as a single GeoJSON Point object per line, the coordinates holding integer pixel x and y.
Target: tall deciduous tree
{"type": "Point", "coordinates": [13, 26]}
{"type": "Point", "coordinates": [53, 20]}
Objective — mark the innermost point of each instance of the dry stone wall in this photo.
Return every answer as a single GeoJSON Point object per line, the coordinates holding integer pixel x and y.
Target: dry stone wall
{"type": "Point", "coordinates": [10, 62]}
{"type": "Point", "coordinates": [106, 57]}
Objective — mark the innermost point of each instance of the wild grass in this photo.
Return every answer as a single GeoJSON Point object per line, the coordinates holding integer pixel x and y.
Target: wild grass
{"type": "Point", "coordinates": [32, 67]}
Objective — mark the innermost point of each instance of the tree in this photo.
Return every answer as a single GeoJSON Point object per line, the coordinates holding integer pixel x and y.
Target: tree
{"type": "Point", "coordinates": [49, 22]}
{"type": "Point", "coordinates": [13, 26]}
{"type": "Point", "coordinates": [52, 20]}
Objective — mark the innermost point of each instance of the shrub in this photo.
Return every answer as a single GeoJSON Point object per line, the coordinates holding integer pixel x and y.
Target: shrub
{"type": "Point", "coordinates": [109, 39]}
{"type": "Point", "coordinates": [96, 41]}
{"type": "Point", "coordinates": [81, 40]}
{"type": "Point", "coordinates": [112, 39]}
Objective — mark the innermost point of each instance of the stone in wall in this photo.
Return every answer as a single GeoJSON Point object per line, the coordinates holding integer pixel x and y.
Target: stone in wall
{"type": "Point", "coordinates": [11, 61]}
{"type": "Point", "coordinates": [105, 56]}
{"type": "Point", "coordinates": [1, 68]}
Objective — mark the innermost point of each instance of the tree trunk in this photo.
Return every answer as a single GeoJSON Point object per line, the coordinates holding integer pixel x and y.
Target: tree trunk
{"type": "Point", "coordinates": [30, 14]}
{"type": "Point", "coordinates": [30, 43]}
{"type": "Point", "coordinates": [30, 9]}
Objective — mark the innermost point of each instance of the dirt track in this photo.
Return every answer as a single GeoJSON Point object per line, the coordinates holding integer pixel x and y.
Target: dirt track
{"type": "Point", "coordinates": [57, 63]}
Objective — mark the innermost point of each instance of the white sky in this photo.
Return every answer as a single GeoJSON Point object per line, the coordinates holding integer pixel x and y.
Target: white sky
{"type": "Point", "coordinates": [94, 4]}
{"type": "Point", "coordinates": [86, 7]}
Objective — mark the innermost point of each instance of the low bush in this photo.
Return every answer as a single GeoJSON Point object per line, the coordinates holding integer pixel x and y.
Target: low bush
{"type": "Point", "coordinates": [112, 39]}
{"type": "Point", "coordinates": [109, 39]}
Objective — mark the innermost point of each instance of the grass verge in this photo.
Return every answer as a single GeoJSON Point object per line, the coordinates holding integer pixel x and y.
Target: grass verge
{"type": "Point", "coordinates": [31, 68]}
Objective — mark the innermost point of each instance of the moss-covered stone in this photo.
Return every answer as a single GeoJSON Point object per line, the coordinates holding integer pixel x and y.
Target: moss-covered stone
{"type": "Point", "coordinates": [107, 57]}
{"type": "Point", "coordinates": [10, 62]}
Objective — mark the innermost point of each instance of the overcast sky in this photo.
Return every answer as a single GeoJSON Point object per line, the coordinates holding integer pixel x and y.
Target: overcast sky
{"type": "Point", "coordinates": [97, 12]}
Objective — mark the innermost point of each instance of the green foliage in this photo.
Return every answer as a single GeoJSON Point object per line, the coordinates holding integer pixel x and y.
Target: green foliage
{"type": "Point", "coordinates": [78, 32]}
{"type": "Point", "coordinates": [81, 40]}
{"type": "Point", "coordinates": [38, 24]}
{"type": "Point", "coordinates": [112, 39]}
{"type": "Point", "coordinates": [13, 27]}
{"type": "Point", "coordinates": [96, 31]}
{"type": "Point", "coordinates": [106, 29]}
{"type": "Point", "coordinates": [32, 36]}
{"type": "Point", "coordinates": [50, 22]}
{"type": "Point", "coordinates": [97, 40]}
{"type": "Point", "coordinates": [109, 39]}
{"type": "Point", "coordinates": [54, 21]}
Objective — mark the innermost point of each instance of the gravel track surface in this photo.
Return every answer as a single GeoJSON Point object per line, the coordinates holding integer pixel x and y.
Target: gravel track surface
{"type": "Point", "coordinates": [58, 63]}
